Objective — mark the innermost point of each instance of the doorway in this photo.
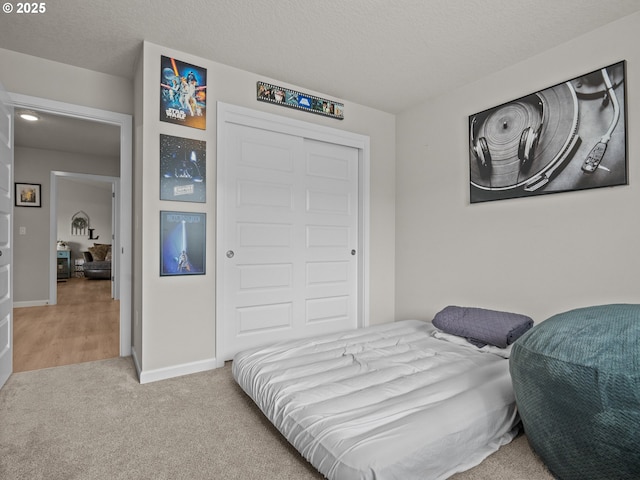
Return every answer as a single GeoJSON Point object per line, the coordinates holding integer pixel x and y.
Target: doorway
{"type": "Point", "coordinates": [122, 235]}
{"type": "Point", "coordinates": [71, 194]}
{"type": "Point", "coordinates": [81, 321]}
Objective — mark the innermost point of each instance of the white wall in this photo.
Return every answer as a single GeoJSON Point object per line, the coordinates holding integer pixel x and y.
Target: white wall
{"type": "Point", "coordinates": [539, 255]}
{"type": "Point", "coordinates": [31, 251]}
{"type": "Point", "coordinates": [36, 77]}
{"type": "Point", "coordinates": [182, 333]}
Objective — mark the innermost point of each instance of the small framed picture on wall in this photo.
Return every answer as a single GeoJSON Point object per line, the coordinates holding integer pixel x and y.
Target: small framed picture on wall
{"type": "Point", "coordinates": [28, 195]}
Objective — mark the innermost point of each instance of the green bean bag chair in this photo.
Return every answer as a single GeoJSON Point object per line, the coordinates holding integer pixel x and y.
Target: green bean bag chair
{"type": "Point", "coordinates": [576, 378]}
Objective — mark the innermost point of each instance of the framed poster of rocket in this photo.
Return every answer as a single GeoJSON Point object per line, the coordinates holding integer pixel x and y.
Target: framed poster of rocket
{"type": "Point", "coordinates": [183, 93]}
{"type": "Point", "coordinates": [182, 243]}
{"type": "Point", "coordinates": [571, 136]}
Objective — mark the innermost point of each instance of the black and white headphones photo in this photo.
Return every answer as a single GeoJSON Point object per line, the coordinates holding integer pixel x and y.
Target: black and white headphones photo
{"type": "Point", "coordinates": [528, 139]}
{"type": "Point", "coordinates": [528, 146]}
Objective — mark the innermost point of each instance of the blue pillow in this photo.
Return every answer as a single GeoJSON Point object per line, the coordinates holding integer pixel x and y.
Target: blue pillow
{"type": "Point", "coordinates": [481, 326]}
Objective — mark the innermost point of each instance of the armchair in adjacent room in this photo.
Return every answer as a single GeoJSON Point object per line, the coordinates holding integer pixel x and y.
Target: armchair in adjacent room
{"type": "Point", "coordinates": [97, 262]}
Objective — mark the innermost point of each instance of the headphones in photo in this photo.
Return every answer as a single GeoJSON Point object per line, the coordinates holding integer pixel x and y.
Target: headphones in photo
{"type": "Point", "coordinates": [529, 139]}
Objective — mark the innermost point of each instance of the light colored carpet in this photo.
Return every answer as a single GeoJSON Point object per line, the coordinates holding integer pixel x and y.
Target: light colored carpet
{"type": "Point", "coordinates": [94, 421]}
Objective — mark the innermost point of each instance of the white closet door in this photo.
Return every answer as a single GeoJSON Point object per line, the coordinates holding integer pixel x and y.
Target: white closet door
{"type": "Point", "coordinates": [290, 234]}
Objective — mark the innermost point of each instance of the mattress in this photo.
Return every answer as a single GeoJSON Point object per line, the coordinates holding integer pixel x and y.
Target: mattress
{"type": "Point", "coordinates": [391, 401]}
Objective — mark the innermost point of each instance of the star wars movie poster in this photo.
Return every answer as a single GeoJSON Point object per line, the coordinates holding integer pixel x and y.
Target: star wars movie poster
{"type": "Point", "coordinates": [182, 243]}
{"type": "Point", "coordinates": [182, 169]}
{"type": "Point", "coordinates": [183, 93]}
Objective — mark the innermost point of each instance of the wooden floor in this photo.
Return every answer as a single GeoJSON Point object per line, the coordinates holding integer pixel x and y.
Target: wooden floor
{"type": "Point", "coordinates": [83, 326]}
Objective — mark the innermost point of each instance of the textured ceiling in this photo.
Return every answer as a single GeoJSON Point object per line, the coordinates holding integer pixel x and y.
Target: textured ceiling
{"type": "Point", "coordinates": [387, 54]}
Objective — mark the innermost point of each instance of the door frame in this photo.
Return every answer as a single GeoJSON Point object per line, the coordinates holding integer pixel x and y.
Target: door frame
{"type": "Point", "coordinates": [124, 200]}
{"type": "Point", "coordinates": [114, 182]}
{"type": "Point", "coordinates": [6, 323]}
{"type": "Point", "coordinates": [228, 113]}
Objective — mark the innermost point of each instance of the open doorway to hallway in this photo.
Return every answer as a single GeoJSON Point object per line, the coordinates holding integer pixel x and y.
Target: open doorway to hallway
{"type": "Point", "coordinates": [59, 320]}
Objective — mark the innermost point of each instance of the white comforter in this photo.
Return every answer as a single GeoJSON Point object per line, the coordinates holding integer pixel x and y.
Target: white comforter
{"type": "Point", "coordinates": [386, 402]}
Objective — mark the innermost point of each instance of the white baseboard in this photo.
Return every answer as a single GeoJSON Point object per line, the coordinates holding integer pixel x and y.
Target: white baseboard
{"type": "Point", "coordinates": [31, 303]}
{"type": "Point", "coordinates": [148, 376]}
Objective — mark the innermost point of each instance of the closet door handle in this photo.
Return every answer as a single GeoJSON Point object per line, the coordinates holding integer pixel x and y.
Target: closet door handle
{"type": "Point", "coordinates": [230, 253]}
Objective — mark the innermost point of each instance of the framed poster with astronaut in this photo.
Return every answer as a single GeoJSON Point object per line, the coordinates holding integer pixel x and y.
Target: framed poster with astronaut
{"type": "Point", "coordinates": [183, 93]}
{"type": "Point", "coordinates": [182, 243]}
{"type": "Point", "coordinates": [183, 169]}
{"type": "Point", "coordinates": [571, 136]}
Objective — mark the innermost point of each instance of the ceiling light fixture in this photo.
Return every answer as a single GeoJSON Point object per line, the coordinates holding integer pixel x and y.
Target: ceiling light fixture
{"type": "Point", "coordinates": [29, 116]}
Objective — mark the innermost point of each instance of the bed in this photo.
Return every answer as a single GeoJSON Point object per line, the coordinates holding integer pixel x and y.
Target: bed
{"type": "Point", "coordinates": [403, 400]}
